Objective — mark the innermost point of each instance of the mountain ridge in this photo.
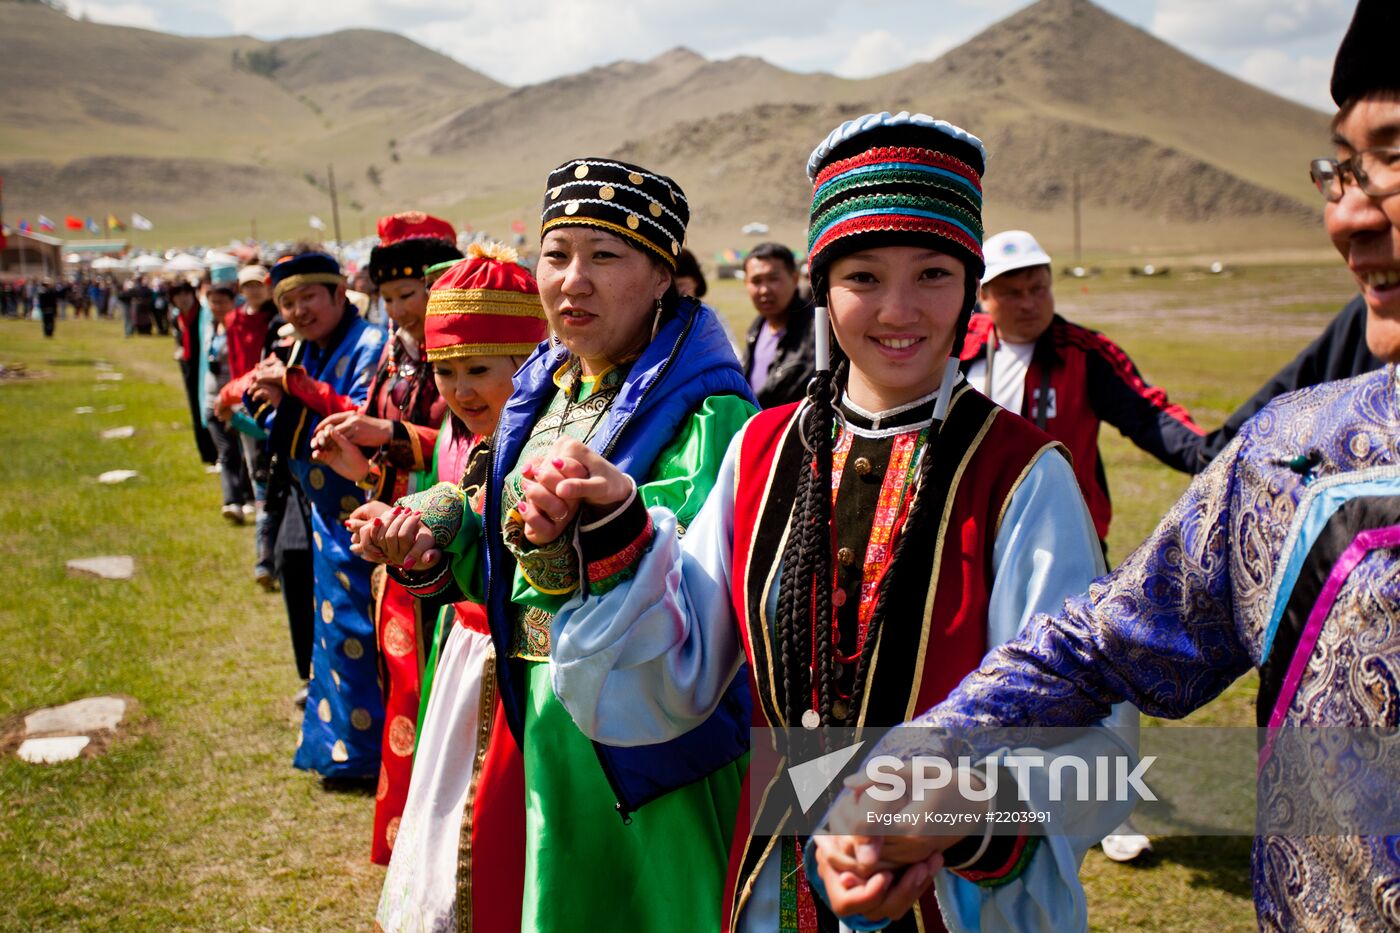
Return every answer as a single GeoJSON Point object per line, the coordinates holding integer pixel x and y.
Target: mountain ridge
{"type": "Point", "coordinates": [1166, 148]}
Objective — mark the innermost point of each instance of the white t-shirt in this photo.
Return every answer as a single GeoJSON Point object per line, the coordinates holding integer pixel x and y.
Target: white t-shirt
{"type": "Point", "coordinates": [1009, 365]}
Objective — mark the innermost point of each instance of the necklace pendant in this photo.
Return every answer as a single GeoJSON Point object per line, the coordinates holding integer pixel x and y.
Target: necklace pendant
{"type": "Point", "coordinates": [811, 719]}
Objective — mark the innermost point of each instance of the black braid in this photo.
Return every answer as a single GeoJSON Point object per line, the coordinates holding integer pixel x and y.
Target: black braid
{"type": "Point", "coordinates": [805, 587]}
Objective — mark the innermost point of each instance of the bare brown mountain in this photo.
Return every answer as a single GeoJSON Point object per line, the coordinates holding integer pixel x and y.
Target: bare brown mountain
{"type": "Point", "coordinates": [1169, 152]}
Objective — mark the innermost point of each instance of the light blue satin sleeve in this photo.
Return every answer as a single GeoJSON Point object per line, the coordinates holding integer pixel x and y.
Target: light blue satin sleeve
{"type": "Point", "coordinates": [650, 659]}
{"type": "Point", "coordinates": [1046, 551]}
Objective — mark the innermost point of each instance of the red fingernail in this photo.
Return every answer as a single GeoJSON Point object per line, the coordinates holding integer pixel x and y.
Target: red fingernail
{"type": "Point", "coordinates": [558, 464]}
{"type": "Point", "coordinates": [529, 471]}
{"type": "Point", "coordinates": [522, 507]}
{"type": "Point", "coordinates": [378, 523]}
{"type": "Point", "coordinates": [408, 563]}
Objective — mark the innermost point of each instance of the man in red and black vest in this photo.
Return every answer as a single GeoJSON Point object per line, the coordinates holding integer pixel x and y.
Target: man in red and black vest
{"type": "Point", "coordinates": [1063, 377]}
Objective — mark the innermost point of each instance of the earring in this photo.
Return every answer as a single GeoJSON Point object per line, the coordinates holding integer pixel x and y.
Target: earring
{"type": "Point", "coordinates": [656, 319]}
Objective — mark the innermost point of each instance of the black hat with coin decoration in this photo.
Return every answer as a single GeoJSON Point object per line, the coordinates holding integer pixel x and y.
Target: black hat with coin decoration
{"type": "Point", "coordinates": [642, 207]}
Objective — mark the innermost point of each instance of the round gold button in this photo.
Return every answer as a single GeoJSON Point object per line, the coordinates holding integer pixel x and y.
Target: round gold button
{"type": "Point", "coordinates": [655, 209]}
{"type": "Point", "coordinates": [862, 466]}
{"type": "Point", "coordinates": [846, 556]}
{"type": "Point", "coordinates": [840, 710]}
{"type": "Point", "coordinates": [571, 208]}
{"type": "Point", "coordinates": [581, 172]}
{"type": "Point", "coordinates": [606, 192]}
{"type": "Point", "coordinates": [634, 178]}
{"type": "Point", "coordinates": [633, 222]}
{"type": "Point", "coordinates": [556, 191]}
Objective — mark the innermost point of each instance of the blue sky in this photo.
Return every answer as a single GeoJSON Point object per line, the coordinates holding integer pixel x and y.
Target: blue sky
{"type": "Point", "coordinates": [1285, 46]}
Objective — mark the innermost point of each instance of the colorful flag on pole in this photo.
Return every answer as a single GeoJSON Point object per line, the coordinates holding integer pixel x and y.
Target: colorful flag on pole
{"type": "Point", "coordinates": [141, 223]}
{"type": "Point", "coordinates": [73, 223]}
{"type": "Point", "coordinates": [46, 224]}
{"type": "Point", "coordinates": [92, 227]}
{"type": "Point", "coordinates": [316, 223]}
{"type": "Point", "coordinates": [24, 226]}
{"type": "Point", "coordinates": [115, 223]}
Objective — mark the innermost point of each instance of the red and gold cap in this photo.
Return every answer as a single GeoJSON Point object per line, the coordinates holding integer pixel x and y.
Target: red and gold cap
{"type": "Point", "coordinates": [406, 224]}
{"type": "Point", "coordinates": [409, 243]}
{"type": "Point", "coordinates": [485, 305]}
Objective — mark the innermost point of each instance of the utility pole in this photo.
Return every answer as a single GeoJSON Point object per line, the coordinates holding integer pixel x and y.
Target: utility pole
{"type": "Point", "coordinates": [1078, 253]}
{"type": "Point", "coordinates": [335, 206]}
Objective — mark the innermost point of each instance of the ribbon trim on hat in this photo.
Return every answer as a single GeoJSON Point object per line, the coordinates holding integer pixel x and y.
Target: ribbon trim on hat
{"type": "Point", "coordinates": [485, 301]}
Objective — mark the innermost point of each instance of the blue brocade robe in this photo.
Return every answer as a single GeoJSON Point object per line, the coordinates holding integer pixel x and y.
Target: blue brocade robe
{"type": "Point", "coordinates": [344, 720]}
{"type": "Point", "coordinates": [1226, 583]}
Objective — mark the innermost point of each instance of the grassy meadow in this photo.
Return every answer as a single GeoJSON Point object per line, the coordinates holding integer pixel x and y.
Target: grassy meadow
{"type": "Point", "coordinates": [195, 818]}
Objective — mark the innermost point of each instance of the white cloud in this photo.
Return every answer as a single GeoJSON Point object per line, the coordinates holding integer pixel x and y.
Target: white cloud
{"type": "Point", "coordinates": [880, 52]}
{"type": "Point", "coordinates": [117, 14]}
{"type": "Point", "coordinates": [1303, 78]}
{"type": "Point", "coordinates": [1244, 24]}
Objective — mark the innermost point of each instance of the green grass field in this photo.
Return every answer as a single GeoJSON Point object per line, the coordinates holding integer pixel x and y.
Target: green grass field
{"type": "Point", "coordinates": [196, 820]}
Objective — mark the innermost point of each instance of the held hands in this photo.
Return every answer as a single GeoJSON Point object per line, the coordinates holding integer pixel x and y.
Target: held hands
{"type": "Point", "coordinates": [395, 536]}
{"type": "Point", "coordinates": [881, 876]}
{"type": "Point", "coordinates": [360, 430]}
{"type": "Point", "coordinates": [569, 477]}
{"type": "Point", "coordinates": [267, 381]}
{"type": "Point", "coordinates": [330, 447]}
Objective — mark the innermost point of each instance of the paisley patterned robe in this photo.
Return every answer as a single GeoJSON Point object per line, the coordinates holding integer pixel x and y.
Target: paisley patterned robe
{"type": "Point", "coordinates": [1281, 556]}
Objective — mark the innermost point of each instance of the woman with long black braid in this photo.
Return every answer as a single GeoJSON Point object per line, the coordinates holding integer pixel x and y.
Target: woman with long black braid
{"type": "Point", "coordinates": [909, 524]}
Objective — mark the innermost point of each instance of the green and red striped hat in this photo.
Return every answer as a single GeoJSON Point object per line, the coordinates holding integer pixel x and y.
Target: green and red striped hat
{"type": "Point", "coordinates": [894, 180]}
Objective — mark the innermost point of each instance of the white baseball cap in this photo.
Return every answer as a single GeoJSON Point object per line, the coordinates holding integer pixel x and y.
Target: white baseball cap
{"type": "Point", "coordinates": [1009, 251]}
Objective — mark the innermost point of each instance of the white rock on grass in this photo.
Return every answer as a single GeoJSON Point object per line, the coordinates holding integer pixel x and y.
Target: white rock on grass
{"type": "Point", "coordinates": [84, 410]}
{"type": "Point", "coordinates": [110, 377]}
{"type": "Point", "coordinates": [102, 364]}
{"type": "Point", "coordinates": [108, 568]}
{"type": "Point", "coordinates": [110, 409]}
{"type": "Point", "coordinates": [53, 749]}
{"type": "Point", "coordinates": [117, 434]}
{"type": "Point", "coordinates": [90, 714]}
{"type": "Point", "coordinates": [112, 477]}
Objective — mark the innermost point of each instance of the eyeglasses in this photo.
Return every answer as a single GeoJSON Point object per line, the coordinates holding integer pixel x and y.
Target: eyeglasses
{"type": "Point", "coordinates": [1375, 171]}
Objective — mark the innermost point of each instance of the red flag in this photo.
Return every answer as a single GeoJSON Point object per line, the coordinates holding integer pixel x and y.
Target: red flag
{"type": "Point", "coordinates": [73, 223]}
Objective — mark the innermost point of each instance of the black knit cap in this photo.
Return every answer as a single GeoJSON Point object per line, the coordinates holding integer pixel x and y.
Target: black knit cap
{"type": "Point", "coordinates": [409, 259]}
{"type": "Point", "coordinates": [635, 203]}
{"type": "Point", "coordinates": [1366, 60]}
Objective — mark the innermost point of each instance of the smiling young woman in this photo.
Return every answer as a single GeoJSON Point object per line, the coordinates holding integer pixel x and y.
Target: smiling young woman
{"type": "Point", "coordinates": [823, 531]}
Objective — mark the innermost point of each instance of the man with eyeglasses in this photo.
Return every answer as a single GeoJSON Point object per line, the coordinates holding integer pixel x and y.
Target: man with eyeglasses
{"type": "Point", "coordinates": [1282, 556]}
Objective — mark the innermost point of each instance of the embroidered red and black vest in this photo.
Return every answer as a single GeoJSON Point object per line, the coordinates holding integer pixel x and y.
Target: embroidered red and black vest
{"type": "Point", "coordinates": [937, 632]}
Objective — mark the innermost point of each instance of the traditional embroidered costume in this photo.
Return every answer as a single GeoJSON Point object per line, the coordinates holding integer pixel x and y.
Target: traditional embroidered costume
{"type": "Point", "coordinates": [404, 393]}
{"type": "Point", "coordinates": [344, 718]}
{"type": "Point", "coordinates": [1281, 556]}
{"type": "Point", "coordinates": [1003, 532]}
{"type": "Point", "coordinates": [455, 805]}
{"type": "Point", "coordinates": [658, 816]}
